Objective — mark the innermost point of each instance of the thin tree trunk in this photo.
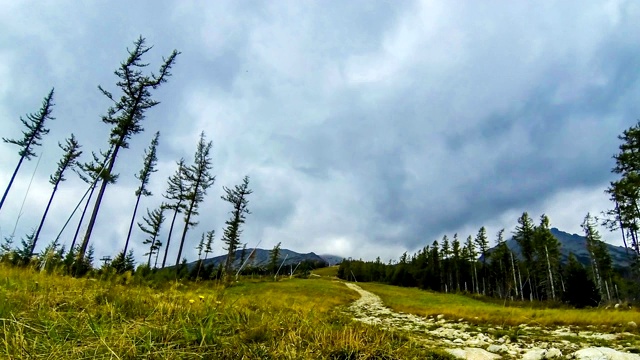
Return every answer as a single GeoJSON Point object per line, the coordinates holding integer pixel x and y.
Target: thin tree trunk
{"type": "Point", "coordinates": [513, 267]}
{"type": "Point", "coordinates": [624, 240]}
{"type": "Point", "coordinates": [477, 282]}
{"type": "Point", "coordinates": [86, 206]}
{"type": "Point", "coordinates": [184, 235]}
{"type": "Point", "coordinates": [153, 243]}
{"type": "Point", "coordinates": [553, 290]}
{"type": "Point", "coordinates": [133, 219]}
{"type": "Point", "coordinates": [166, 249]}
{"type": "Point", "coordinates": [13, 177]}
{"type": "Point", "coordinates": [44, 216]}
{"type": "Point", "coordinates": [155, 265]}
{"type": "Point", "coordinates": [521, 288]}
{"type": "Point", "coordinates": [96, 208]}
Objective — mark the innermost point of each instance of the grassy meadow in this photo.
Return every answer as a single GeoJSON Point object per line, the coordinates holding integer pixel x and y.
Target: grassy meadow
{"type": "Point", "coordinates": [454, 307]}
{"type": "Point", "coordinates": [54, 317]}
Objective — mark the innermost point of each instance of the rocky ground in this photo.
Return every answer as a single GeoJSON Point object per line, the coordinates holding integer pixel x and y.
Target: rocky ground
{"type": "Point", "coordinates": [467, 341]}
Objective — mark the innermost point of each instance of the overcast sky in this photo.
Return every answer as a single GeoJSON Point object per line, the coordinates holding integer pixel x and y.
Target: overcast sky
{"type": "Point", "coordinates": [368, 128]}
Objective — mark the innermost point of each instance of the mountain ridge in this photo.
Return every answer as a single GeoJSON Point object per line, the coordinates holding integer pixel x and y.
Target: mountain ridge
{"type": "Point", "coordinates": [260, 258]}
{"type": "Point", "coordinates": [577, 245]}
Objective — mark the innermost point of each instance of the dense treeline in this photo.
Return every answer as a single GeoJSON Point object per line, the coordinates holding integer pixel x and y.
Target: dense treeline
{"type": "Point", "coordinates": [452, 265]}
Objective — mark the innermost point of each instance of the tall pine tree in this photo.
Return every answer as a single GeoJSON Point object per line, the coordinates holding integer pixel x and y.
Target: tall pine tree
{"type": "Point", "coordinates": [176, 194]}
{"type": "Point", "coordinates": [237, 197]}
{"type": "Point", "coordinates": [128, 111]}
{"type": "Point", "coordinates": [71, 153]}
{"type": "Point", "coordinates": [148, 167]}
{"type": "Point", "coordinates": [198, 178]}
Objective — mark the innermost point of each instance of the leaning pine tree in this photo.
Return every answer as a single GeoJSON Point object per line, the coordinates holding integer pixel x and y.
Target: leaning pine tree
{"type": "Point", "coordinates": [198, 178]}
{"type": "Point", "coordinates": [71, 153]}
{"type": "Point", "coordinates": [231, 237]}
{"type": "Point", "coordinates": [152, 224]}
{"type": "Point", "coordinates": [34, 132]}
{"type": "Point", "coordinates": [128, 111]}
{"type": "Point", "coordinates": [148, 167]}
{"type": "Point", "coordinates": [176, 194]}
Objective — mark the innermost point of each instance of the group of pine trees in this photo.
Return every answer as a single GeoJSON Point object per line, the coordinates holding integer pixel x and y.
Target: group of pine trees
{"type": "Point", "coordinates": [186, 189]}
{"type": "Point", "coordinates": [536, 272]}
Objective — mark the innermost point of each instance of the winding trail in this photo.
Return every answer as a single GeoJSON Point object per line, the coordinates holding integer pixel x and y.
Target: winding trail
{"type": "Point", "coordinates": [466, 342]}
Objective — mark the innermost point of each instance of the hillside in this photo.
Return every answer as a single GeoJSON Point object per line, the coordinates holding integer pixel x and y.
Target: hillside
{"type": "Point", "coordinates": [576, 244]}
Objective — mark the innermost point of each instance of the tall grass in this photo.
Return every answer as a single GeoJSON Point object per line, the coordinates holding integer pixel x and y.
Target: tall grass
{"type": "Point", "coordinates": [53, 317]}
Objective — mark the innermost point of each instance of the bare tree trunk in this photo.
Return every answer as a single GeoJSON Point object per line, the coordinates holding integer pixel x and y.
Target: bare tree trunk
{"type": "Point", "coordinates": [513, 267]}
{"type": "Point", "coordinates": [477, 282]}
{"type": "Point", "coordinates": [96, 208]}
{"type": "Point", "coordinates": [13, 177]}
{"type": "Point", "coordinates": [86, 206]}
{"type": "Point", "coordinates": [166, 249]}
{"type": "Point", "coordinates": [553, 290]}
{"type": "Point", "coordinates": [133, 219]}
{"type": "Point", "coordinates": [44, 216]}
{"type": "Point", "coordinates": [521, 289]}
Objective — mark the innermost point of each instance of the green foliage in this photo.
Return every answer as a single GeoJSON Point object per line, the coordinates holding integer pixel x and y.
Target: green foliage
{"type": "Point", "coordinates": [35, 128]}
{"type": "Point", "coordinates": [122, 263]}
{"type": "Point", "coordinates": [625, 192]}
{"type": "Point", "coordinates": [580, 289]}
{"type": "Point", "coordinates": [274, 256]}
{"type": "Point", "coordinates": [32, 135]}
{"type": "Point", "coordinates": [149, 166]}
{"type": "Point", "coordinates": [152, 224]}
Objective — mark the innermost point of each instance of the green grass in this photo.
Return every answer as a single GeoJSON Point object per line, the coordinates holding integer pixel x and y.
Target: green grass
{"type": "Point", "coordinates": [53, 317]}
{"type": "Point", "coordinates": [329, 271]}
{"type": "Point", "coordinates": [454, 307]}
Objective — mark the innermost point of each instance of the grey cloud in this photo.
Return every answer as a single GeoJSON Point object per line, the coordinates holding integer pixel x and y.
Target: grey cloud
{"type": "Point", "coordinates": [363, 125]}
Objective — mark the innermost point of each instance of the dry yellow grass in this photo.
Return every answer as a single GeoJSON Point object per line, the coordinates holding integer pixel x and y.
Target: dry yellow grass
{"type": "Point", "coordinates": [52, 317]}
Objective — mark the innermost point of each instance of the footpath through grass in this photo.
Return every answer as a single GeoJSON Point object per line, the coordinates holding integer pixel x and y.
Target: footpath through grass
{"type": "Point", "coordinates": [53, 317]}
{"type": "Point", "coordinates": [454, 307]}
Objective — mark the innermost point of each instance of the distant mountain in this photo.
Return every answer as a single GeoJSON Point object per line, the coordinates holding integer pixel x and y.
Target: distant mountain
{"type": "Point", "coordinates": [332, 259]}
{"type": "Point", "coordinates": [576, 244]}
{"type": "Point", "coordinates": [260, 258]}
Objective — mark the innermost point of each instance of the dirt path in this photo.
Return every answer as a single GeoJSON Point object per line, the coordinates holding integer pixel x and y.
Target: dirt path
{"type": "Point", "coordinates": [467, 341]}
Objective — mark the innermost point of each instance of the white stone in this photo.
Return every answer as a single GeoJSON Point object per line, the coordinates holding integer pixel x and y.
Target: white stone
{"type": "Point", "coordinates": [497, 348]}
{"type": "Point", "coordinates": [441, 316]}
{"type": "Point", "coordinates": [553, 353]}
{"type": "Point", "coordinates": [632, 324]}
{"type": "Point", "coordinates": [534, 354]}
{"type": "Point", "coordinates": [603, 353]}
{"type": "Point", "coordinates": [473, 354]}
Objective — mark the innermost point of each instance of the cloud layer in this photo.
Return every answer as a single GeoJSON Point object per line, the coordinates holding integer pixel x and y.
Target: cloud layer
{"type": "Point", "coordinates": [367, 129]}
